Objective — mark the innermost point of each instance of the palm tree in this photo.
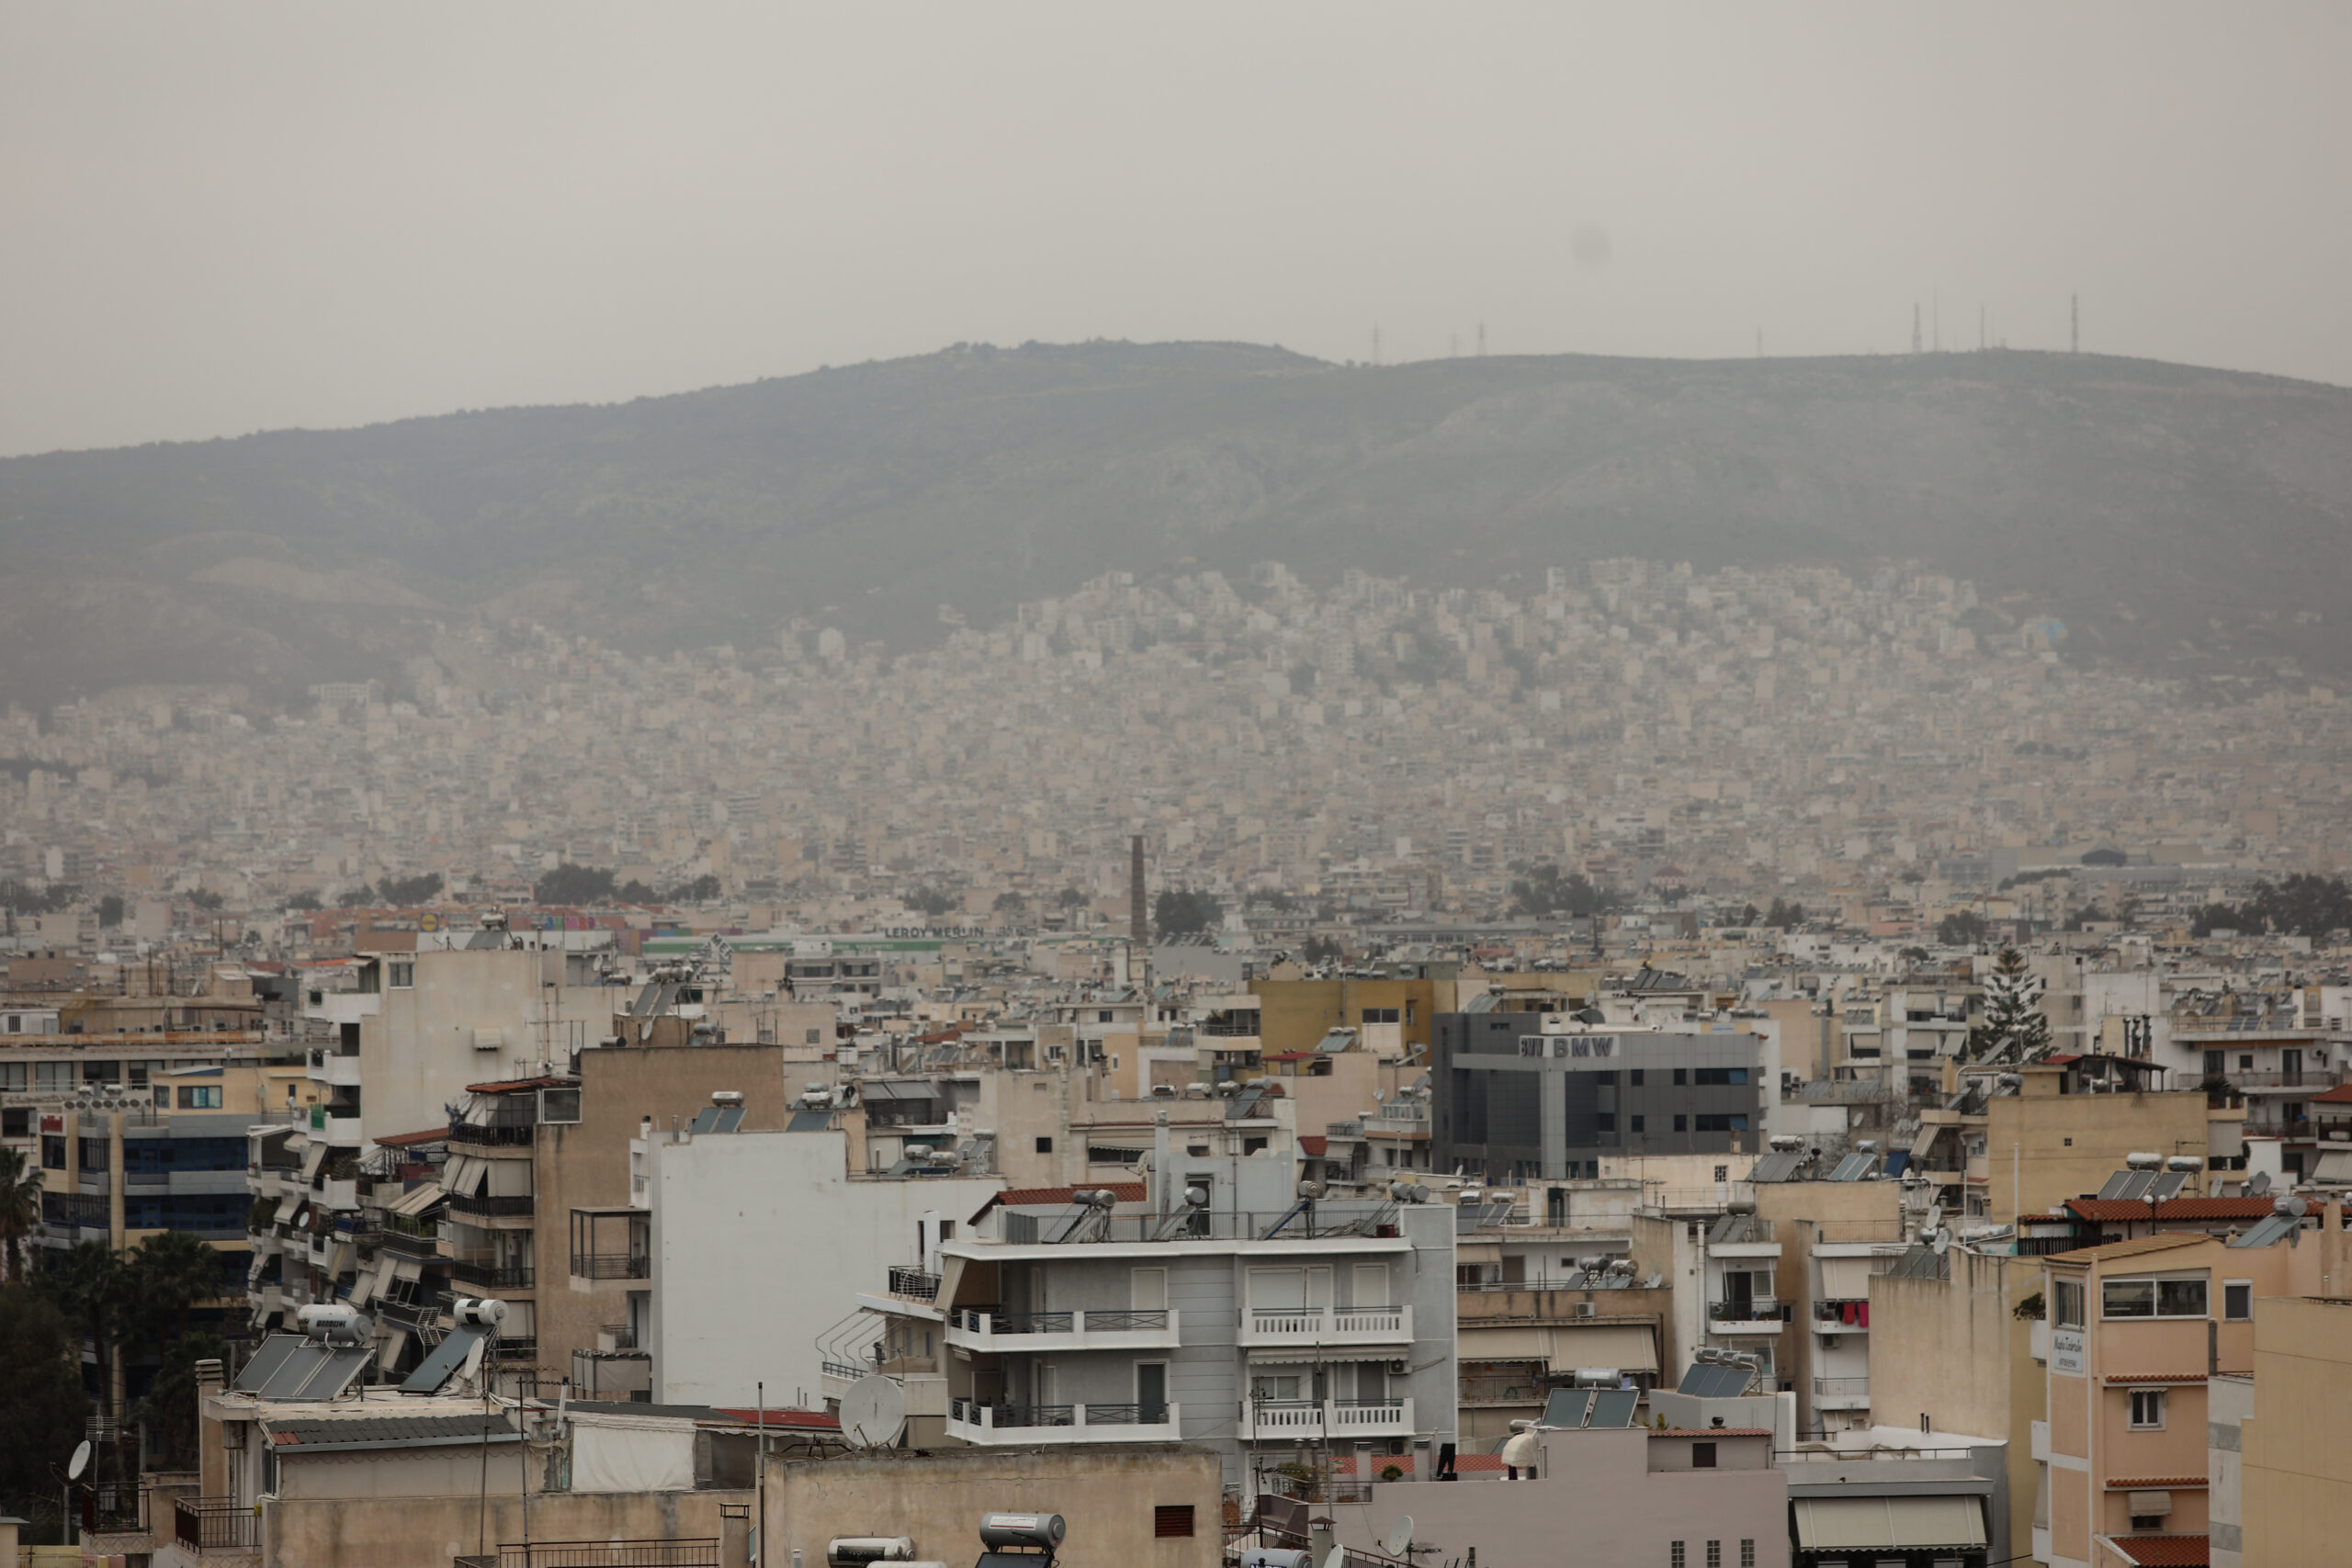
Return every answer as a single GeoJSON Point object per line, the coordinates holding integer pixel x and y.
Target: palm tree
{"type": "Point", "coordinates": [20, 1191]}
{"type": "Point", "coordinates": [168, 1274]}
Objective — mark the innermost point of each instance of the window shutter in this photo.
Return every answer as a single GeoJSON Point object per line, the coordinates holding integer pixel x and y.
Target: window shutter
{"type": "Point", "coordinates": [1171, 1520]}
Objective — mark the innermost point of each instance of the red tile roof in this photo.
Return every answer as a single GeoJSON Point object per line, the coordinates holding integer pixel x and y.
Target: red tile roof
{"type": "Point", "coordinates": [2121, 1211]}
{"type": "Point", "coordinates": [2157, 1483]}
{"type": "Point", "coordinates": [2164, 1551]}
{"type": "Point", "coordinates": [1031, 1197]}
{"type": "Point", "coordinates": [800, 1420]}
{"type": "Point", "coordinates": [2116, 1380]}
{"type": "Point", "coordinates": [1314, 1145]}
{"type": "Point", "coordinates": [515, 1086]}
{"type": "Point", "coordinates": [409, 1139]}
{"type": "Point", "coordinates": [2340, 1095]}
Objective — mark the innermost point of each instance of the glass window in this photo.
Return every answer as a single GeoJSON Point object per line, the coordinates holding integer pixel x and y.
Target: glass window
{"type": "Point", "coordinates": [2128, 1298]}
{"type": "Point", "coordinates": [1634, 1079]}
{"type": "Point", "coordinates": [1715, 1555]}
{"type": "Point", "coordinates": [1703, 1457]}
{"type": "Point", "coordinates": [2237, 1302]}
{"type": "Point", "coordinates": [2180, 1298]}
{"type": "Point", "coordinates": [403, 972]}
{"type": "Point", "coordinates": [1637, 1123]}
{"type": "Point", "coordinates": [203, 1097]}
{"type": "Point", "coordinates": [1680, 1124]}
{"type": "Point", "coordinates": [1674, 1557]}
{"type": "Point", "coordinates": [2067, 1304]}
{"type": "Point", "coordinates": [2147, 1409]}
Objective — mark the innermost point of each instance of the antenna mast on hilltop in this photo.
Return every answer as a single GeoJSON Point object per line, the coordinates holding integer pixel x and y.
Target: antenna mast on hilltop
{"type": "Point", "coordinates": [2073, 323]}
{"type": "Point", "coordinates": [1915, 326]}
{"type": "Point", "coordinates": [1482, 340]}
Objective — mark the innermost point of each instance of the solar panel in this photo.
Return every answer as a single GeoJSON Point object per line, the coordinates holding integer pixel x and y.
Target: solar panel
{"type": "Point", "coordinates": [1615, 1407]}
{"type": "Point", "coordinates": [810, 1121]}
{"type": "Point", "coordinates": [2168, 1186]}
{"type": "Point", "coordinates": [1849, 1168]}
{"type": "Point", "coordinates": [2141, 1184]}
{"type": "Point", "coordinates": [1712, 1380]}
{"type": "Point", "coordinates": [274, 1353]}
{"type": "Point", "coordinates": [708, 1120]}
{"type": "Point", "coordinates": [320, 1372]}
{"type": "Point", "coordinates": [1781, 1165]}
{"type": "Point", "coordinates": [442, 1365]}
{"type": "Point", "coordinates": [730, 1118]}
{"type": "Point", "coordinates": [1567, 1408]}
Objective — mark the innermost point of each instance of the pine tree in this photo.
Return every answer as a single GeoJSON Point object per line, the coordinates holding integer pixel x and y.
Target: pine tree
{"type": "Point", "coordinates": [2014, 1030]}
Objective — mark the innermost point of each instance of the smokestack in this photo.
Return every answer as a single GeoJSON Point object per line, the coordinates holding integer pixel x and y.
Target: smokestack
{"type": "Point", "coordinates": [1138, 913]}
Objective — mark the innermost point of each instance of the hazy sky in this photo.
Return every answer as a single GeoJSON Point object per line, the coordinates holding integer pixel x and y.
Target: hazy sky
{"type": "Point", "coordinates": [219, 217]}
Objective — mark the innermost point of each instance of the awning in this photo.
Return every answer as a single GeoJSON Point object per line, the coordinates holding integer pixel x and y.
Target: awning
{"type": "Point", "coordinates": [1478, 1252]}
{"type": "Point", "coordinates": [463, 1177]}
{"type": "Point", "coordinates": [407, 1268]}
{"type": "Point", "coordinates": [1503, 1344]}
{"type": "Point", "coordinates": [1846, 1279]}
{"type": "Point", "coordinates": [416, 1202]}
{"type": "Point", "coordinates": [312, 1158]}
{"type": "Point", "coordinates": [286, 1207]}
{"type": "Point", "coordinates": [395, 1343]}
{"type": "Point", "coordinates": [2334, 1167]}
{"type": "Point", "coordinates": [1628, 1346]}
{"type": "Point", "coordinates": [1318, 1355]}
{"type": "Point", "coordinates": [1888, 1523]}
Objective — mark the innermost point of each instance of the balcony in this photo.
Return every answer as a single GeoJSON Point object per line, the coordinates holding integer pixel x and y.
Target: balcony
{"type": "Point", "coordinates": [2311, 1078]}
{"type": "Point", "coordinates": [1027, 1425]}
{"type": "Point", "coordinates": [216, 1527]}
{"type": "Point", "coordinates": [983, 1330]}
{"type": "Point", "coordinates": [492, 1276]}
{"type": "Point", "coordinates": [331, 1066]}
{"type": "Point", "coordinates": [1306, 1420]}
{"type": "Point", "coordinates": [412, 1237]}
{"type": "Point", "coordinates": [685, 1552]}
{"type": "Point", "coordinates": [1494, 1389]}
{"type": "Point", "coordinates": [490, 1206]}
{"type": "Point", "coordinates": [612, 1266]}
{"type": "Point", "coordinates": [342, 1131]}
{"type": "Point", "coordinates": [1827, 1319]}
{"type": "Point", "coordinates": [1841, 1394]}
{"type": "Point", "coordinates": [914, 1284]}
{"type": "Point", "coordinates": [1308, 1326]}
{"type": "Point", "coordinates": [498, 1128]}
{"type": "Point", "coordinates": [1758, 1315]}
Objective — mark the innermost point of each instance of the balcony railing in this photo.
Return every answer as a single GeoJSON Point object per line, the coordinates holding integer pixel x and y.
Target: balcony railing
{"type": "Point", "coordinates": [1757, 1309]}
{"type": "Point", "coordinates": [1300, 1420]}
{"type": "Point", "coordinates": [2280, 1077]}
{"type": "Point", "coordinates": [1832, 1388]}
{"type": "Point", "coordinates": [975, 1422]}
{"type": "Point", "coordinates": [612, 1265]}
{"type": "Point", "coordinates": [914, 1284]}
{"type": "Point", "coordinates": [700, 1552]}
{"type": "Point", "coordinates": [216, 1524]}
{"type": "Point", "coordinates": [492, 1276]}
{"type": "Point", "coordinates": [486, 1204]}
{"type": "Point", "coordinates": [497, 1128]}
{"type": "Point", "coordinates": [985, 1328]}
{"type": "Point", "coordinates": [1327, 1325]}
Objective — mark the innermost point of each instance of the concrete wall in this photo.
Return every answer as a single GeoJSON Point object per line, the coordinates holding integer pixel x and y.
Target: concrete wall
{"type": "Point", "coordinates": [1106, 1495]}
{"type": "Point", "coordinates": [2063, 1145]}
{"type": "Point", "coordinates": [416, 1055]}
{"type": "Point", "coordinates": [1598, 1500]}
{"type": "Point", "coordinates": [759, 1242]}
{"type": "Point", "coordinates": [427, 1531]}
{"type": "Point", "coordinates": [2297, 1453]}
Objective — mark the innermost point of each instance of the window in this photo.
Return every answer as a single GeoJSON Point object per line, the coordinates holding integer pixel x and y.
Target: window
{"type": "Point", "coordinates": [1680, 1075]}
{"type": "Point", "coordinates": [2066, 1305]}
{"type": "Point", "coordinates": [1719, 1122]}
{"type": "Point", "coordinates": [1605, 1120]}
{"type": "Point", "coordinates": [1171, 1520]}
{"type": "Point", "coordinates": [204, 1098]}
{"type": "Point", "coordinates": [2152, 1297]}
{"type": "Point", "coordinates": [1723, 1173]}
{"type": "Point", "coordinates": [1674, 1554]}
{"type": "Point", "coordinates": [2147, 1409]}
{"type": "Point", "coordinates": [1715, 1555]}
{"type": "Point", "coordinates": [1722, 1076]}
{"type": "Point", "coordinates": [1045, 1145]}
{"type": "Point", "coordinates": [1680, 1124]}
{"type": "Point", "coordinates": [1634, 1079]}
{"type": "Point", "coordinates": [2147, 1521]}
{"type": "Point", "coordinates": [403, 973]}
{"type": "Point", "coordinates": [2237, 1301]}
{"type": "Point", "coordinates": [816, 1037]}
{"type": "Point", "coordinates": [1382, 1015]}
{"type": "Point", "coordinates": [1273, 1386]}
{"type": "Point", "coordinates": [1637, 1121]}
{"type": "Point", "coordinates": [1748, 1552]}
{"type": "Point", "coordinates": [1703, 1457]}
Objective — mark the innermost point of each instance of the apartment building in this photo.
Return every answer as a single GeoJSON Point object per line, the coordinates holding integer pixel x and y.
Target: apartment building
{"type": "Point", "coordinates": [2135, 1330]}
{"type": "Point", "coordinates": [1521, 1097]}
{"type": "Point", "coordinates": [1220, 1305]}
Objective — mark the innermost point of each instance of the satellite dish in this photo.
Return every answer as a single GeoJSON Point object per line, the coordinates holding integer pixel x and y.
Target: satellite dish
{"type": "Point", "coordinates": [79, 1463]}
{"type": "Point", "coordinates": [873, 1412]}
{"type": "Point", "coordinates": [1935, 1217]}
{"type": "Point", "coordinates": [1400, 1536]}
{"type": "Point", "coordinates": [2260, 1186]}
{"type": "Point", "coordinates": [1941, 1240]}
{"type": "Point", "coordinates": [1338, 1557]}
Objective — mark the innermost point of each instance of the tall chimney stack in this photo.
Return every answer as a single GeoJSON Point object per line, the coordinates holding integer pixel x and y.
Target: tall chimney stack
{"type": "Point", "coordinates": [1138, 913]}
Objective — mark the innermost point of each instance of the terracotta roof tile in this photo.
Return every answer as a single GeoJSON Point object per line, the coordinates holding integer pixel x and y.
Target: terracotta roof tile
{"type": "Point", "coordinates": [2164, 1551]}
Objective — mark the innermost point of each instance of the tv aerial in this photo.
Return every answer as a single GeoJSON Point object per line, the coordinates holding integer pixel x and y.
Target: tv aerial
{"type": "Point", "coordinates": [873, 1412]}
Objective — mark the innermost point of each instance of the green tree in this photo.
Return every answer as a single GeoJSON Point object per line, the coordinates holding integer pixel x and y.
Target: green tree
{"type": "Point", "coordinates": [303, 901]}
{"type": "Point", "coordinates": [1010, 903]}
{"type": "Point", "coordinates": [20, 1191]}
{"type": "Point", "coordinates": [110, 911]}
{"type": "Point", "coordinates": [931, 902]}
{"type": "Point", "coordinates": [2013, 1028]}
{"type": "Point", "coordinates": [569, 883]}
{"type": "Point", "coordinates": [1543, 891]}
{"type": "Point", "coordinates": [168, 1273]}
{"type": "Point", "coordinates": [1069, 898]}
{"type": "Point", "coordinates": [1181, 911]}
{"type": "Point", "coordinates": [701, 890]}
{"type": "Point", "coordinates": [1782, 916]}
{"type": "Point", "coordinates": [169, 1411]}
{"type": "Point", "coordinates": [206, 899]}
{"type": "Point", "coordinates": [41, 1369]}
{"type": "Point", "coordinates": [402, 891]}
{"type": "Point", "coordinates": [91, 1288]}
{"type": "Point", "coordinates": [1961, 927]}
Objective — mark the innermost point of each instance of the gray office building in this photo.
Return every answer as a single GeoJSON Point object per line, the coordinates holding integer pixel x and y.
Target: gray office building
{"type": "Point", "coordinates": [1515, 1102]}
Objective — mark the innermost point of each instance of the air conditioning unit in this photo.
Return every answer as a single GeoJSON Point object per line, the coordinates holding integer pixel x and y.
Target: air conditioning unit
{"type": "Point", "coordinates": [1586, 1309]}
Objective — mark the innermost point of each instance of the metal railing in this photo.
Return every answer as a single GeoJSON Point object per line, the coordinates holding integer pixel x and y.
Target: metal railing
{"type": "Point", "coordinates": [701, 1551]}
{"type": "Point", "coordinates": [497, 1128]}
{"type": "Point", "coordinates": [485, 1203]}
{"type": "Point", "coordinates": [914, 1284]}
{"type": "Point", "coordinates": [492, 1276]}
{"type": "Point", "coordinates": [1757, 1309]}
{"type": "Point", "coordinates": [216, 1524]}
{"type": "Point", "coordinates": [612, 1265]}
{"type": "Point", "coordinates": [1136, 1414]}
{"type": "Point", "coordinates": [1836, 1387]}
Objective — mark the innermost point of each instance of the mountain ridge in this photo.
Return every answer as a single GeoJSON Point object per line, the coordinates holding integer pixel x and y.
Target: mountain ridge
{"type": "Point", "coordinates": [2194, 520]}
